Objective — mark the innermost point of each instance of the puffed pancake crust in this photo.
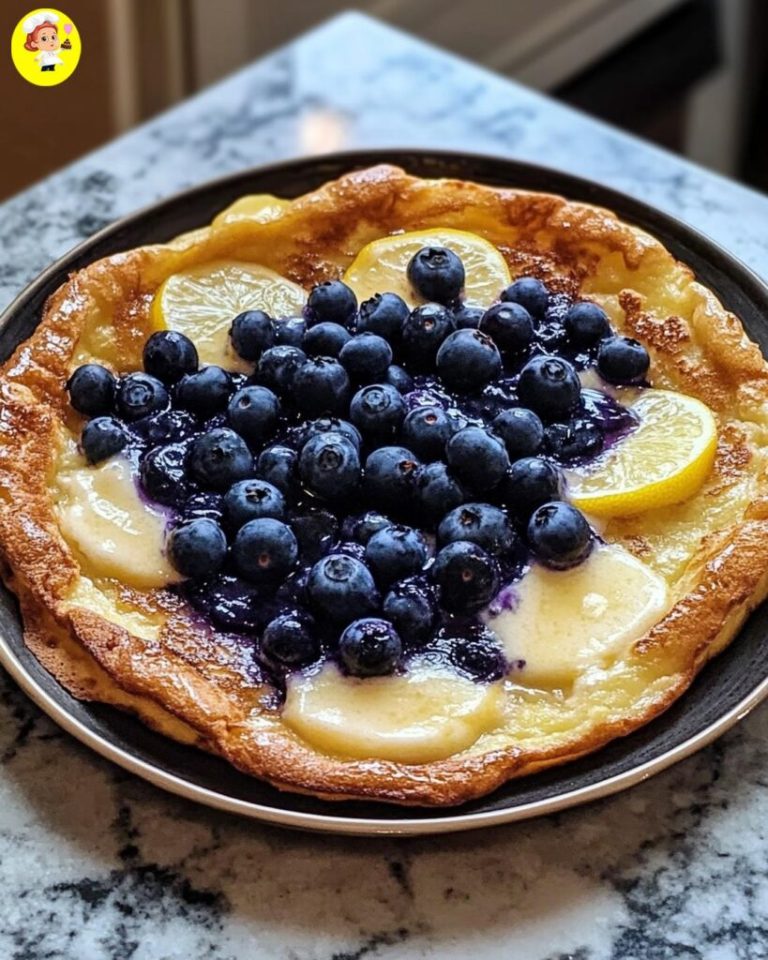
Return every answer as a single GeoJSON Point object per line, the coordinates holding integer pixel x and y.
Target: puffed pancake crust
{"type": "Point", "coordinates": [144, 651]}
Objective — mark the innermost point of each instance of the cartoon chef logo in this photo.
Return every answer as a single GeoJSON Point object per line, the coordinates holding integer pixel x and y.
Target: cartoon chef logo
{"type": "Point", "coordinates": [45, 47]}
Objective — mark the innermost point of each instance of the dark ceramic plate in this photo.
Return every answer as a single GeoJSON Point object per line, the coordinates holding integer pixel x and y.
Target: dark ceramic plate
{"type": "Point", "coordinates": [723, 693]}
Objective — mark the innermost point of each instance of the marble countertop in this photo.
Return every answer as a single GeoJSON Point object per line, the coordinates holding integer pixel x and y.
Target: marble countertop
{"type": "Point", "coordinates": [97, 864]}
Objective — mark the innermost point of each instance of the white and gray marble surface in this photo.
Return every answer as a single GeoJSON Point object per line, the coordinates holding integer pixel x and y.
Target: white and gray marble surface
{"type": "Point", "coordinates": [97, 864]}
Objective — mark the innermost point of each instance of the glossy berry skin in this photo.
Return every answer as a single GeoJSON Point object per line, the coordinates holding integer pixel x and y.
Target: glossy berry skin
{"type": "Point", "coordinates": [394, 553]}
{"type": "Point", "coordinates": [477, 458]}
{"type": "Point", "coordinates": [163, 473]}
{"type": "Point", "coordinates": [92, 390]}
{"type": "Point", "coordinates": [232, 604]}
{"type": "Point", "coordinates": [531, 482]}
{"type": "Point", "coordinates": [435, 492]}
{"type": "Point", "coordinates": [578, 439]}
{"type": "Point", "coordinates": [208, 505]}
{"type": "Point", "coordinates": [529, 293]}
{"type": "Point", "coordinates": [168, 426]}
{"type": "Point", "coordinates": [480, 523]}
{"type": "Point", "coordinates": [321, 386]}
{"type": "Point", "coordinates": [466, 577]}
{"type": "Point", "coordinates": [468, 318]}
{"type": "Point", "coordinates": [331, 425]}
{"type": "Point", "coordinates": [370, 648]}
{"type": "Point", "coordinates": [410, 608]}
{"type": "Point", "coordinates": [219, 458]}
{"type": "Point", "coordinates": [316, 530]}
{"type": "Point", "coordinates": [559, 535]}
{"type": "Point", "coordinates": [369, 524]}
{"type": "Point", "coordinates": [205, 392]}
{"type": "Point", "coordinates": [622, 360]}
{"type": "Point", "coordinates": [329, 466]}
{"type": "Point", "coordinates": [252, 332]}
{"type": "Point", "coordinates": [389, 476]}
{"type": "Point", "coordinates": [468, 360]}
{"type": "Point", "coordinates": [510, 326]}
{"type": "Point", "coordinates": [586, 323]}
{"type": "Point", "coordinates": [197, 548]}
{"type": "Point", "coordinates": [341, 588]}
{"type": "Point", "coordinates": [279, 465]}
{"type": "Point", "coordinates": [521, 430]}
{"type": "Point", "coordinates": [399, 379]}
{"type": "Point", "coordinates": [289, 640]}
{"type": "Point", "coordinates": [366, 357]}
{"type": "Point", "coordinates": [277, 368]}
{"type": "Point", "coordinates": [423, 331]}
{"type": "Point", "coordinates": [252, 499]}
{"type": "Point", "coordinates": [436, 273]}
{"type": "Point", "coordinates": [325, 339]}
{"type": "Point", "coordinates": [479, 657]}
{"type": "Point", "coordinates": [550, 387]}
{"type": "Point", "coordinates": [139, 394]}
{"type": "Point", "coordinates": [377, 410]}
{"type": "Point", "coordinates": [426, 430]}
{"type": "Point", "coordinates": [265, 550]}
{"type": "Point", "coordinates": [102, 438]}
{"type": "Point", "coordinates": [289, 332]}
{"type": "Point", "coordinates": [384, 314]}
{"type": "Point", "coordinates": [254, 413]}
{"type": "Point", "coordinates": [331, 302]}
{"type": "Point", "coordinates": [169, 355]}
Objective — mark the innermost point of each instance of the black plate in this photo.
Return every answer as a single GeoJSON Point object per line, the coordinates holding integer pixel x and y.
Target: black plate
{"type": "Point", "coordinates": [722, 694]}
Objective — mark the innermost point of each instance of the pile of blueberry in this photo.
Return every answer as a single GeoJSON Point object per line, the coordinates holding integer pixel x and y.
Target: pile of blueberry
{"type": "Point", "coordinates": [381, 475]}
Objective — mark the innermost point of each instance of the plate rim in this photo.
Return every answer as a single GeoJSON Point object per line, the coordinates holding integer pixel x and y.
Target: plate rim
{"type": "Point", "coordinates": [737, 270]}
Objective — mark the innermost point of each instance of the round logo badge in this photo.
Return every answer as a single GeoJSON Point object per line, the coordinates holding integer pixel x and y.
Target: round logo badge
{"type": "Point", "coordinates": [45, 46]}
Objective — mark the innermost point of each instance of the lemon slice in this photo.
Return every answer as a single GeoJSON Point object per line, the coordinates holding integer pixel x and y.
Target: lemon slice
{"type": "Point", "coordinates": [256, 207]}
{"type": "Point", "coordinates": [381, 265]}
{"type": "Point", "coordinates": [202, 302]}
{"type": "Point", "coordinates": [665, 460]}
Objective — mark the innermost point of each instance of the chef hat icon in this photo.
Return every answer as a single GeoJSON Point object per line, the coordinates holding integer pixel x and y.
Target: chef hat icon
{"type": "Point", "coordinates": [45, 16]}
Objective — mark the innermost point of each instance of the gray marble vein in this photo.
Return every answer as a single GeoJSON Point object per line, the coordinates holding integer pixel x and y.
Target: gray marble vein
{"type": "Point", "coordinates": [97, 864]}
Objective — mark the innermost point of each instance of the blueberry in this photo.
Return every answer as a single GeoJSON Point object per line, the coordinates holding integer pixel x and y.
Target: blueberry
{"type": "Point", "coordinates": [550, 387]}
{"type": "Point", "coordinates": [622, 360]}
{"type": "Point", "coordinates": [576, 440]}
{"type": "Point", "coordinates": [477, 458]}
{"type": "Point", "coordinates": [510, 325]}
{"type": "Point", "coordinates": [468, 318]}
{"type": "Point", "coordinates": [168, 426]}
{"type": "Point", "coordinates": [254, 412]}
{"type": "Point", "coordinates": [231, 603]}
{"type": "Point", "coordinates": [521, 430]}
{"type": "Point", "coordinates": [220, 458]}
{"type": "Point", "coordinates": [252, 499]}
{"type": "Point", "coordinates": [321, 386]}
{"type": "Point", "coordinates": [316, 531]}
{"type": "Point", "coordinates": [479, 523]}
{"type": "Point", "coordinates": [384, 314]}
{"type": "Point", "coordinates": [139, 394]}
{"type": "Point", "coordinates": [529, 483]}
{"type": "Point", "coordinates": [399, 379]}
{"type": "Point", "coordinates": [289, 641]}
{"type": "Point", "coordinates": [587, 323]}
{"type": "Point", "coordinates": [423, 331]}
{"type": "Point", "coordinates": [331, 425]}
{"type": "Point", "coordinates": [277, 368]}
{"type": "Point", "coordinates": [252, 332]}
{"type": "Point", "coordinates": [468, 360]}
{"type": "Point", "coordinates": [290, 331]}
{"type": "Point", "coordinates": [205, 392]}
{"type": "Point", "coordinates": [331, 302]}
{"type": "Point", "coordinates": [466, 576]}
{"type": "Point", "coordinates": [366, 357]}
{"type": "Point", "coordinates": [329, 466]}
{"type": "Point", "coordinates": [209, 505]}
{"type": "Point", "coordinates": [163, 473]}
{"type": "Point", "coordinates": [529, 293]}
{"type": "Point", "coordinates": [369, 647]}
{"type": "Point", "coordinates": [389, 476]}
{"type": "Point", "coordinates": [395, 552]}
{"type": "Point", "coordinates": [92, 390]}
{"type": "Point", "coordinates": [479, 656]}
{"type": "Point", "coordinates": [426, 430]}
{"type": "Point", "coordinates": [435, 492]}
{"type": "Point", "coordinates": [278, 465]}
{"type": "Point", "coordinates": [325, 339]}
{"type": "Point", "coordinates": [197, 548]}
{"type": "Point", "coordinates": [265, 550]}
{"type": "Point", "coordinates": [436, 273]}
{"type": "Point", "coordinates": [559, 535]}
{"type": "Point", "coordinates": [103, 437]}
{"type": "Point", "coordinates": [168, 355]}
{"type": "Point", "coordinates": [552, 336]}
{"type": "Point", "coordinates": [410, 607]}
{"type": "Point", "coordinates": [377, 410]}
{"type": "Point", "coordinates": [342, 588]}
{"type": "Point", "coordinates": [370, 523]}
